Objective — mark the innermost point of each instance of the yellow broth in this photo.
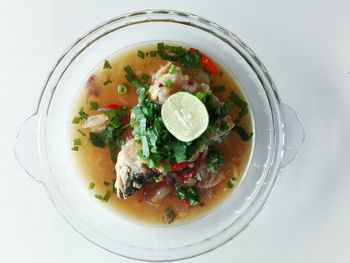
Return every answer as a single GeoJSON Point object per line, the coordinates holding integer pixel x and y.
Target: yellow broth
{"type": "Point", "coordinates": [95, 163]}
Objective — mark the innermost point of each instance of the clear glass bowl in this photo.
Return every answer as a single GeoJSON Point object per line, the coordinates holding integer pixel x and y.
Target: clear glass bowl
{"type": "Point", "coordinates": [44, 152]}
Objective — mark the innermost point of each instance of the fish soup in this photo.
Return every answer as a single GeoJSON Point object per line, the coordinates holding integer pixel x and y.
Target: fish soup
{"type": "Point", "coordinates": [141, 145]}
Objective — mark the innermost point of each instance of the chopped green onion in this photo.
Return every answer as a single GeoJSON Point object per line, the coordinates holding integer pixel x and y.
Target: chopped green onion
{"type": "Point", "coordinates": [81, 132]}
{"type": "Point", "coordinates": [104, 198]}
{"type": "Point", "coordinates": [215, 158]}
{"type": "Point", "coordinates": [107, 64]}
{"type": "Point", "coordinates": [168, 83]}
{"type": "Point", "coordinates": [229, 184]}
{"type": "Point", "coordinates": [122, 89]}
{"type": "Point", "coordinates": [75, 148]}
{"type": "Point", "coordinates": [106, 183]}
{"type": "Point", "coordinates": [170, 215]}
{"type": "Point", "coordinates": [91, 186]}
{"type": "Point", "coordinates": [201, 96]}
{"type": "Point", "coordinates": [190, 194]}
{"type": "Point", "coordinates": [107, 196]}
{"type": "Point", "coordinates": [172, 69]}
{"type": "Point", "coordinates": [83, 114]}
{"type": "Point", "coordinates": [145, 77]}
{"type": "Point", "coordinates": [141, 54]}
{"type": "Point", "coordinates": [76, 120]}
{"type": "Point", "coordinates": [220, 88]}
{"type": "Point", "coordinates": [77, 142]}
{"type": "Point", "coordinates": [153, 53]}
{"type": "Point", "coordinates": [93, 105]}
{"type": "Point", "coordinates": [108, 81]}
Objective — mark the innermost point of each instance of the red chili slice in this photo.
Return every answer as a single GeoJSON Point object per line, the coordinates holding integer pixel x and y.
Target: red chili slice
{"type": "Point", "coordinates": [178, 166]}
{"type": "Point", "coordinates": [115, 106]}
{"type": "Point", "coordinates": [207, 63]}
{"type": "Point", "coordinates": [184, 202]}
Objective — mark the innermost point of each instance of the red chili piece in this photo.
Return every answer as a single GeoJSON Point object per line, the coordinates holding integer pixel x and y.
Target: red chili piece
{"type": "Point", "coordinates": [178, 166]}
{"type": "Point", "coordinates": [207, 63]}
{"type": "Point", "coordinates": [115, 106]}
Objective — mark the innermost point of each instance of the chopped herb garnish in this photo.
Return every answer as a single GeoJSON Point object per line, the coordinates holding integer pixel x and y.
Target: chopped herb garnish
{"type": "Point", "coordinates": [172, 69]}
{"type": "Point", "coordinates": [122, 89]}
{"type": "Point", "coordinates": [229, 184]}
{"type": "Point", "coordinates": [168, 83]}
{"type": "Point", "coordinates": [220, 88]}
{"type": "Point", "coordinates": [169, 215]}
{"type": "Point", "coordinates": [93, 105]}
{"type": "Point", "coordinates": [77, 142]}
{"type": "Point", "coordinates": [141, 54]}
{"type": "Point", "coordinates": [75, 148]}
{"type": "Point", "coordinates": [112, 135]}
{"type": "Point", "coordinates": [107, 64]}
{"type": "Point", "coordinates": [76, 120]}
{"type": "Point", "coordinates": [215, 160]}
{"type": "Point", "coordinates": [81, 132]}
{"type": "Point", "coordinates": [234, 99]}
{"type": "Point", "coordinates": [153, 53]}
{"type": "Point", "coordinates": [190, 194]}
{"type": "Point", "coordinates": [106, 183]}
{"type": "Point", "coordinates": [145, 77]}
{"type": "Point", "coordinates": [242, 132]}
{"type": "Point", "coordinates": [224, 126]}
{"type": "Point", "coordinates": [104, 198]}
{"type": "Point", "coordinates": [180, 152]}
{"type": "Point", "coordinates": [187, 58]}
{"type": "Point", "coordinates": [130, 74]}
{"type": "Point", "coordinates": [91, 186]}
{"type": "Point", "coordinates": [96, 139]}
{"type": "Point", "coordinates": [83, 114]}
{"type": "Point", "coordinates": [108, 81]}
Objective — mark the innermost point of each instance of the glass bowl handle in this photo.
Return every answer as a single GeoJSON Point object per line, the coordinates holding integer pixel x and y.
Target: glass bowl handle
{"type": "Point", "coordinates": [27, 150]}
{"type": "Point", "coordinates": [294, 134]}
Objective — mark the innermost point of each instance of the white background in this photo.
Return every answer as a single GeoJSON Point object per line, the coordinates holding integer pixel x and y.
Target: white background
{"type": "Point", "coordinates": [306, 47]}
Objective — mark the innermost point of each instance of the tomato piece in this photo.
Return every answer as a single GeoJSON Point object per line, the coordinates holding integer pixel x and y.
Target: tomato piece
{"type": "Point", "coordinates": [115, 106]}
{"type": "Point", "coordinates": [178, 166]}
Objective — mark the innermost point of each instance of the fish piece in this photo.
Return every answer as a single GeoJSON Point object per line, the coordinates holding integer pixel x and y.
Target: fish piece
{"type": "Point", "coordinates": [96, 123]}
{"type": "Point", "coordinates": [161, 71]}
{"type": "Point", "coordinates": [158, 92]}
{"type": "Point", "coordinates": [131, 172]}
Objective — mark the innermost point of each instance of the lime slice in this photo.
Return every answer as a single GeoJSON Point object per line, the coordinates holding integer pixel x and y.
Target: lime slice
{"type": "Point", "coordinates": [185, 116]}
